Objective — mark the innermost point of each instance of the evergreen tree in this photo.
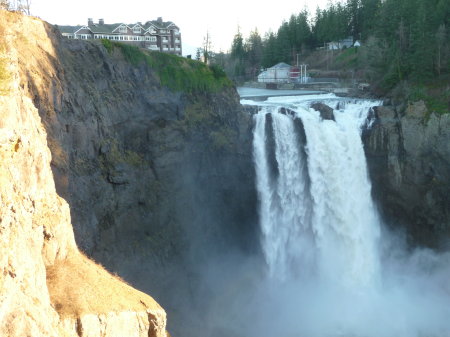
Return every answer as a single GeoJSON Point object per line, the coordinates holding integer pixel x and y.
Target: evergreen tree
{"type": "Point", "coordinates": [303, 32]}
{"type": "Point", "coordinates": [269, 57]}
{"type": "Point", "coordinates": [254, 50]}
{"type": "Point", "coordinates": [354, 13]}
{"type": "Point", "coordinates": [369, 14]}
{"type": "Point", "coordinates": [402, 39]}
{"type": "Point", "coordinates": [283, 46]}
{"type": "Point", "coordinates": [238, 57]}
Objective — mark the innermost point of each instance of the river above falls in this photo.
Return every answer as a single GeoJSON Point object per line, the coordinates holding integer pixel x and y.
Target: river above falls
{"type": "Point", "coordinates": [263, 94]}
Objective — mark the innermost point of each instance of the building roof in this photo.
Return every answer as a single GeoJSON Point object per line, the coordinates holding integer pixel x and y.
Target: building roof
{"type": "Point", "coordinates": [160, 24]}
{"type": "Point", "coordinates": [104, 29]}
{"type": "Point", "coordinates": [280, 65]}
{"type": "Point", "coordinates": [109, 28]}
{"type": "Point", "coordinates": [68, 29]}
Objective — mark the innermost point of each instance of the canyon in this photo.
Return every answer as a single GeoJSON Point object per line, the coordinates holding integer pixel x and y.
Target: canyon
{"type": "Point", "coordinates": [102, 161]}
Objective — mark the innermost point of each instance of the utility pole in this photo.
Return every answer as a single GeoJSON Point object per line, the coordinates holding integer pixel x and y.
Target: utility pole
{"type": "Point", "coordinates": [303, 73]}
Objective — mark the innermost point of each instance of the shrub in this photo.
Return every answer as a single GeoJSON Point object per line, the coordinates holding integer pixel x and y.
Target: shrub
{"type": "Point", "coordinates": [434, 103]}
{"type": "Point", "coordinates": [108, 45]}
{"type": "Point", "coordinates": [174, 72]}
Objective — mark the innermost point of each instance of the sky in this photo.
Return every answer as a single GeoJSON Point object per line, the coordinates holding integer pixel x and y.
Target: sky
{"type": "Point", "coordinates": [194, 18]}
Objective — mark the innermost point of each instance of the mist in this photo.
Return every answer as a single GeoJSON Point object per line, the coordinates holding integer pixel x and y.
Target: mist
{"type": "Point", "coordinates": [329, 266]}
{"type": "Point", "coordinates": [411, 299]}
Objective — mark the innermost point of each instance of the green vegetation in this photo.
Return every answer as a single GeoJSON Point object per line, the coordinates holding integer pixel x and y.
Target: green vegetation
{"type": "Point", "coordinates": [197, 117]}
{"type": "Point", "coordinates": [108, 45]}
{"type": "Point", "coordinates": [115, 155]}
{"type": "Point", "coordinates": [223, 139]}
{"type": "Point", "coordinates": [412, 38]}
{"type": "Point", "coordinates": [435, 102]}
{"type": "Point", "coordinates": [347, 58]}
{"type": "Point", "coordinates": [401, 40]}
{"type": "Point", "coordinates": [200, 118]}
{"type": "Point", "coordinates": [174, 72]}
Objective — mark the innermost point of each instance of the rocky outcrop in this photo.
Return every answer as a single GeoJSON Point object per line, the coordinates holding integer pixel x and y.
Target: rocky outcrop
{"type": "Point", "coordinates": [159, 181]}
{"type": "Point", "coordinates": [326, 112]}
{"type": "Point", "coordinates": [48, 288]}
{"type": "Point", "coordinates": [408, 154]}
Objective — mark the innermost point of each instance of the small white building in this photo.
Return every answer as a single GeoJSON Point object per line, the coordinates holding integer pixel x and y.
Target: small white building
{"type": "Point", "coordinates": [279, 73]}
{"type": "Point", "coordinates": [337, 45]}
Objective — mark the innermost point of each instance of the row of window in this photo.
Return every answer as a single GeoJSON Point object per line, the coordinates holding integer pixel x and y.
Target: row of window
{"type": "Point", "coordinates": [167, 48]}
{"type": "Point", "coordinates": [165, 39]}
{"type": "Point", "coordinates": [114, 37]}
{"type": "Point", "coordinates": [124, 38]}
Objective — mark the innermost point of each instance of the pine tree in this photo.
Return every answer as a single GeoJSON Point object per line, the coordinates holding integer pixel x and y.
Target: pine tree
{"type": "Point", "coordinates": [254, 50]}
{"type": "Point", "coordinates": [269, 50]}
{"type": "Point", "coordinates": [238, 56]}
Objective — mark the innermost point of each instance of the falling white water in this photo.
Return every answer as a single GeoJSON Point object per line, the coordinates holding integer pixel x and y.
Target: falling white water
{"type": "Point", "coordinates": [320, 220]}
{"type": "Point", "coordinates": [284, 199]}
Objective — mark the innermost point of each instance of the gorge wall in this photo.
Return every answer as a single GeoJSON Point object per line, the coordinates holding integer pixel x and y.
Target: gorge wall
{"type": "Point", "coordinates": [158, 185]}
{"type": "Point", "coordinates": [47, 287]}
{"type": "Point", "coordinates": [408, 154]}
{"type": "Point", "coordinates": [160, 182]}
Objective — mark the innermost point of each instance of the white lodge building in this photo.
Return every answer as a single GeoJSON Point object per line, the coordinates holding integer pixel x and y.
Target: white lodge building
{"type": "Point", "coordinates": [154, 35]}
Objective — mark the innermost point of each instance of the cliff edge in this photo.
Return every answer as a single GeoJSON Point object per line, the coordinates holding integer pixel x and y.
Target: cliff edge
{"type": "Point", "coordinates": [47, 287]}
{"type": "Point", "coordinates": [408, 151]}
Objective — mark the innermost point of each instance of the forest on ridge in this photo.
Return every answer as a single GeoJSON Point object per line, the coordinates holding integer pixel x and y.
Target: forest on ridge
{"type": "Point", "coordinates": [400, 40]}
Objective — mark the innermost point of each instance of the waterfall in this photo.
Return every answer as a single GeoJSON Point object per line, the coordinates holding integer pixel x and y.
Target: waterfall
{"type": "Point", "coordinates": [284, 197]}
{"type": "Point", "coordinates": [329, 272]}
{"type": "Point", "coordinates": [316, 212]}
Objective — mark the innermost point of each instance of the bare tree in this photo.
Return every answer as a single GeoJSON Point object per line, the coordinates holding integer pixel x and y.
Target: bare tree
{"type": "Point", "coordinates": [28, 6]}
{"type": "Point", "coordinates": [24, 6]}
{"type": "Point", "coordinates": [207, 47]}
{"type": "Point", "coordinates": [4, 4]}
{"type": "Point", "coordinates": [16, 5]}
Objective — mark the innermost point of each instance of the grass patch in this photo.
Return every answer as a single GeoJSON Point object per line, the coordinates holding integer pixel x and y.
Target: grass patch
{"type": "Point", "coordinates": [347, 57]}
{"type": "Point", "coordinates": [174, 72]}
{"type": "Point", "coordinates": [435, 102]}
{"type": "Point", "coordinates": [79, 286]}
{"type": "Point", "coordinates": [108, 45]}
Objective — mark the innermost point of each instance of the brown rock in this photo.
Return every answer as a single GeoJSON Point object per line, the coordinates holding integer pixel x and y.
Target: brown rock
{"type": "Point", "coordinates": [47, 288]}
{"type": "Point", "coordinates": [326, 112]}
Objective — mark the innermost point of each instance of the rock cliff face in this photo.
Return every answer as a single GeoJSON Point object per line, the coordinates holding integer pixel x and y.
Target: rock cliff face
{"type": "Point", "coordinates": [408, 153]}
{"type": "Point", "coordinates": [47, 287]}
{"type": "Point", "coordinates": [160, 183]}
